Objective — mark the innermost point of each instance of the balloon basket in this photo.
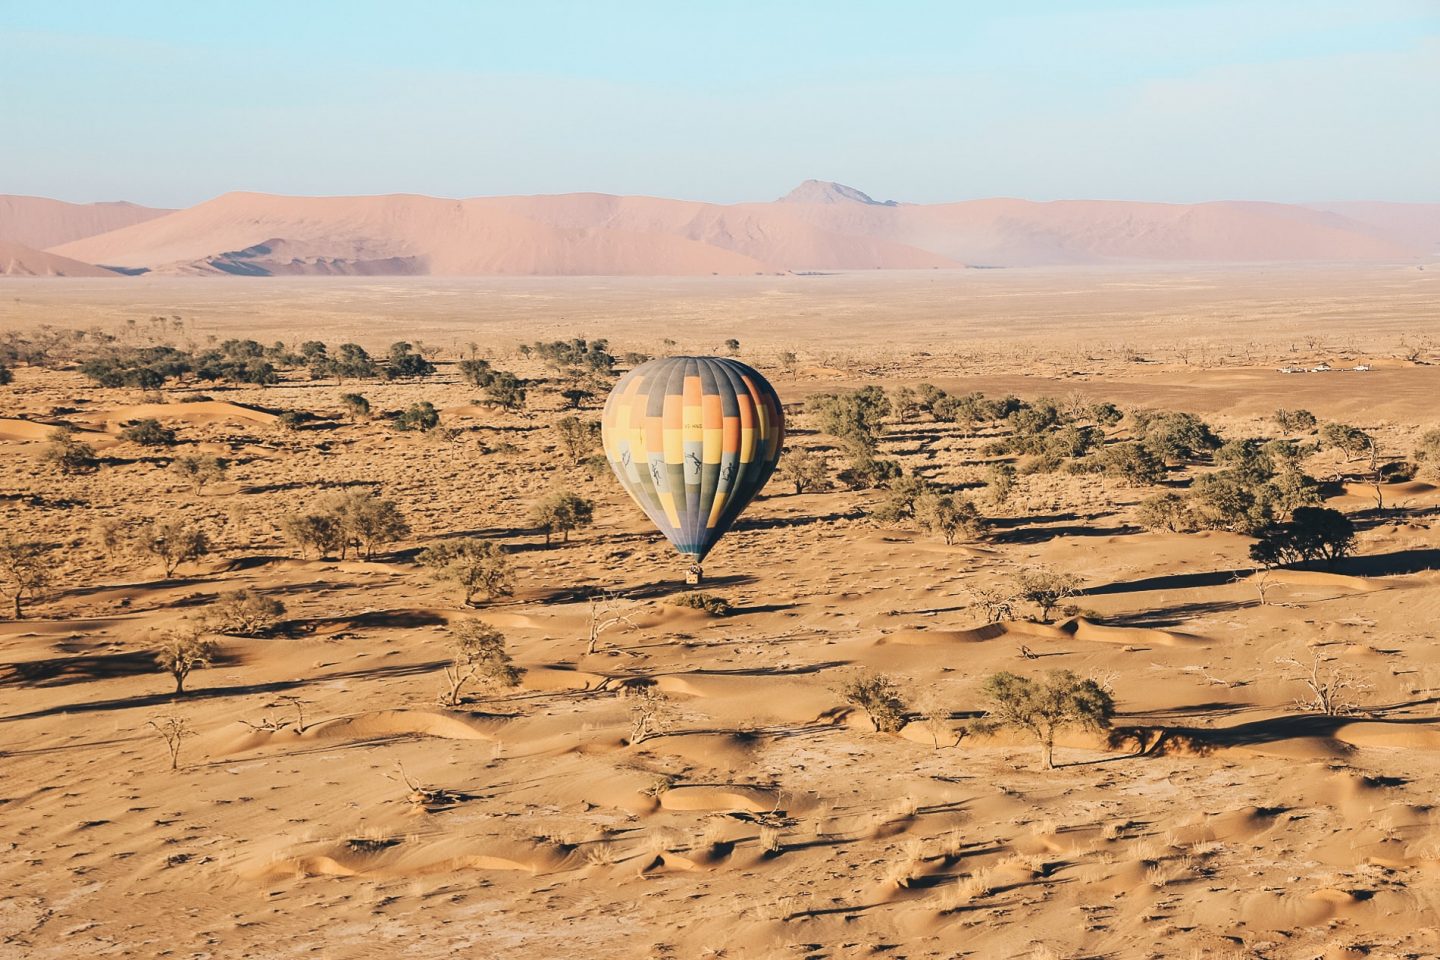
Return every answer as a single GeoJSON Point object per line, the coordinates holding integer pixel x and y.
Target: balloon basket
{"type": "Point", "coordinates": [694, 575]}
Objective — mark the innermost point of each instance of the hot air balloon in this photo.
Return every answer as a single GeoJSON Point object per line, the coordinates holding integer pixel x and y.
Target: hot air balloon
{"type": "Point", "coordinates": [692, 440]}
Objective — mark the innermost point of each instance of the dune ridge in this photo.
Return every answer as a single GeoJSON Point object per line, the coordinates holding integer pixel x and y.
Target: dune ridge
{"type": "Point", "coordinates": [817, 227]}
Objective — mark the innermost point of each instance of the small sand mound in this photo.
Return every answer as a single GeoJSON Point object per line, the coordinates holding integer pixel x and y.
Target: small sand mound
{"type": "Point", "coordinates": [748, 799]}
{"type": "Point", "coordinates": [1376, 733]}
{"type": "Point", "coordinates": [25, 431]}
{"type": "Point", "coordinates": [393, 723]}
{"type": "Point", "coordinates": [1082, 629]}
{"type": "Point", "coordinates": [1320, 578]}
{"type": "Point", "coordinates": [196, 414]}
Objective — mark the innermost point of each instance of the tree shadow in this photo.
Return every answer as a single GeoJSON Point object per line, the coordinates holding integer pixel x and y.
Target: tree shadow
{"type": "Point", "coordinates": [210, 693]}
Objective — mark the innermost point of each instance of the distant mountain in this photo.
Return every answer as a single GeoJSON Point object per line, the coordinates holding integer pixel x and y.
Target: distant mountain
{"type": "Point", "coordinates": [827, 191]}
{"type": "Point", "coordinates": [40, 223]}
{"type": "Point", "coordinates": [817, 226]}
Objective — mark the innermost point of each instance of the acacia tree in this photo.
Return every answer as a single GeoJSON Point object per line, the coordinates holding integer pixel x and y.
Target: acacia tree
{"type": "Point", "coordinates": [478, 654]}
{"type": "Point", "coordinates": [475, 566]}
{"type": "Point", "coordinates": [182, 650]}
{"type": "Point", "coordinates": [173, 542]}
{"type": "Point", "coordinates": [1042, 707]}
{"type": "Point", "coordinates": [25, 568]}
{"type": "Point", "coordinates": [949, 515]}
{"type": "Point", "coordinates": [561, 512]}
{"type": "Point", "coordinates": [1046, 588]}
{"type": "Point", "coordinates": [577, 438]}
{"type": "Point", "coordinates": [879, 697]}
{"type": "Point", "coordinates": [198, 469]}
{"type": "Point", "coordinates": [804, 468]}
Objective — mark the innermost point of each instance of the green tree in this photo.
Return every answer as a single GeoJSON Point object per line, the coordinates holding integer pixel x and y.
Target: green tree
{"type": "Point", "coordinates": [1312, 533]}
{"type": "Point", "coordinates": [69, 455]}
{"type": "Point", "coordinates": [1042, 707]}
{"type": "Point", "coordinates": [173, 542]}
{"type": "Point", "coordinates": [577, 438]}
{"type": "Point", "coordinates": [420, 416]}
{"type": "Point", "coordinates": [355, 405]}
{"type": "Point", "coordinates": [879, 697]}
{"type": "Point", "coordinates": [478, 654]}
{"type": "Point", "coordinates": [948, 516]}
{"type": "Point", "coordinates": [803, 467]}
{"type": "Point", "coordinates": [198, 469]}
{"type": "Point", "coordinates": [149, 433]}
{"type": "Point", "coordinates": [1047, 589]}
{"type": "Point", "coordinates": [26, 567]}
{"type": "Point", "coordinates": [506, 391]}
{"type": "Point", "coordinates": [562, 512]}
{"type": "Point", "coordinates": [856, 418]}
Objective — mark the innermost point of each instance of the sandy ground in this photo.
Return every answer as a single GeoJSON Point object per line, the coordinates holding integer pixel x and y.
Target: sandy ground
{"type": "Point", "coordinates": [767, 820]}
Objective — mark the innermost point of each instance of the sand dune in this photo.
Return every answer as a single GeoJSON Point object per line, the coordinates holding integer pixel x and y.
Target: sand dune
{"type": "Point", "coordinates": [40, 222]}
{"type": "Point", "coordinates": [17, 260]}
{"type": "Point", "coordinates": [817, 227]}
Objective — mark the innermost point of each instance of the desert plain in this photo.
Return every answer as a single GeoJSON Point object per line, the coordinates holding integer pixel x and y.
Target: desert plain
{"type": "Point", "coordinates": [325, 803]}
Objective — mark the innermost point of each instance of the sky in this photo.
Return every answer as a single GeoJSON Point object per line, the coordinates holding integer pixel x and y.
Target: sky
{"type": "Point", "coordinates": [171, 103]}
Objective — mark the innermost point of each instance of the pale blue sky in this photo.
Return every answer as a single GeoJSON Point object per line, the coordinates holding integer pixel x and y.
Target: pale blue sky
{"type": "Point", "coordinates": [1178, 100]}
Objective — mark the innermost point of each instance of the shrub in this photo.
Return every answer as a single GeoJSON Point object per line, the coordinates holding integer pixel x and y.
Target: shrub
{"type": "Point", "coordinates": [1042, 707]}
{"type": "Point", "coordinates": [476, 566]}
{"type": "Point", "coordinates": [418, 416]}
{"type": "Point", "coordinates": [865, 472]}
{"type": "Point", "coordinates": [476, 372]}
{"type": "Point", "coordinates": [1174, 437]}
{"type": "Point", "coordinates": [1352, 441]}
{"type": "Point", "coordinates": [404, 362]}
{"type": "Point", "coordinates": [804, 468]}
{"type": "Point", "coordinates": [1294, 421]}
{"type": "Point", "coordinates": [713, 604]}
{"type": "Point", "coordinates": [855, 418]}
{"type": "Point", "coordinates": [1000, 478]}
{"type": "Point", "coordinates": [245, 613]}
{"type": "Point", "coordinates": [506, 391]}
{"type": "Point", "coordinates": [1312, 533]}
{"type": "Point", "coordinates": [949, 516]}
{"type": "Point", "coordinates": [879, 697]}
{"type": "Point", "coordinates": [69, 455]}
{"type": "Point", "coordinates": [902, 493]}
{"type": "Point", "coordinates": [1165, 511]}
{"type": "Point", "coordinates": [356, 406]}
{"type": "Point", "coordinates": [173, 542]}
{"type": "Point", "coordinates": [198, 469]}
{"type": "Point", "coordinates": [562, 512]}
{"type": "Point", "coordinates": [1427, 452]}
{"type": "Point", "coordinates": [6, 375]}
{"type": "Point", "coordinates": [149, 433]}
{"type": "Point", "coordinates": [1132, 462]}
{"type": "Point", "coordinates": [318, 531]}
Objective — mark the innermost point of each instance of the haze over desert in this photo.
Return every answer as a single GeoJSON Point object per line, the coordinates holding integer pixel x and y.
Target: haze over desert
{"type": "Point", "coordinates": [471, 485]}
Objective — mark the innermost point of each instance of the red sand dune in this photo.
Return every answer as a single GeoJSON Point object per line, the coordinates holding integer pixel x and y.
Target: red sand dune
{"type": "Point", "coordinates": [17, 260]}
{"type": "Point", "coordinates": [818, 226]}
{"type": "Point", "coordinates": [40, 222]}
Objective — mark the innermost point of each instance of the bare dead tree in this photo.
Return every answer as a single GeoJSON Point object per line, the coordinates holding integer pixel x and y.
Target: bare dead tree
{"type": "Point", "coordinates": [607, 610]}
{"type": "Point", "coordinates": [1332, 687]}
{"type": "Point", "coordinates": [174, 730]}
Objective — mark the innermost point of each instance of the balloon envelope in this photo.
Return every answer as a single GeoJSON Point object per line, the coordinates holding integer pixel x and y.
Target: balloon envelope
{"type": "Point", "coordinates": [693, 439]}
